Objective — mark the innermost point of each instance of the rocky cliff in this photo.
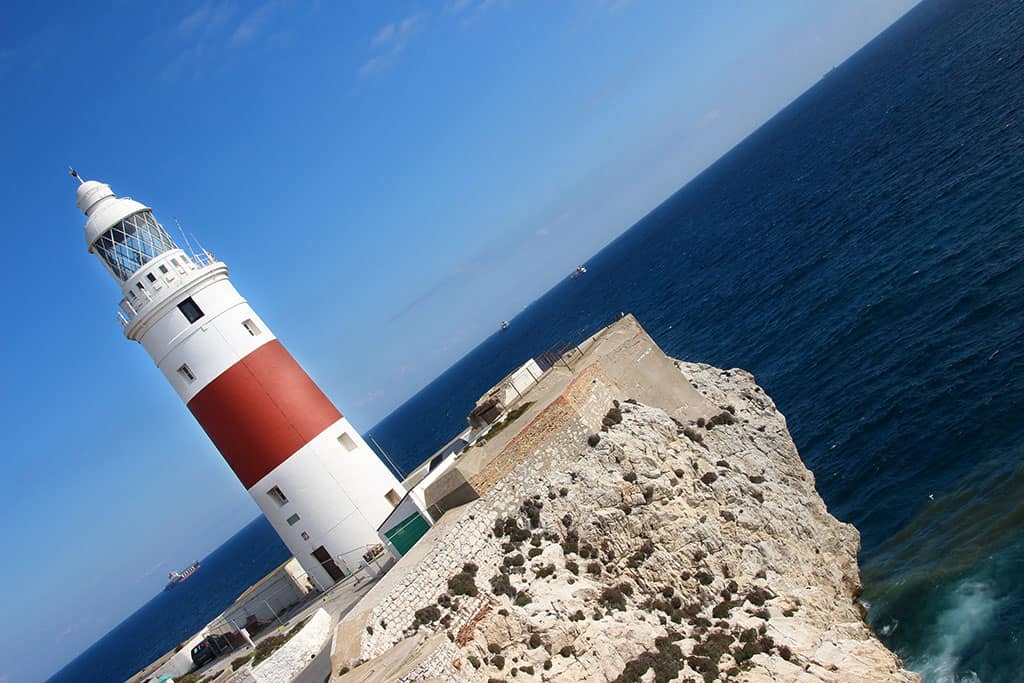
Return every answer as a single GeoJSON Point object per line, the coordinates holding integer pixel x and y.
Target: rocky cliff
{"type": "Point", "coordinates": [662, 548]}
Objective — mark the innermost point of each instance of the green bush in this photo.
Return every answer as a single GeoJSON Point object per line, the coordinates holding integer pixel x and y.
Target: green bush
{"type": "Point", "coordinates": [612, 598]}
{"type": "Point", "coordinates": [428, 614]}
{"type": "Point", "coordinates": [463, 583]}
{"type": "Point", "coordinates": [666, 661]}
{"type": "Point", "coordinates": [545, 571]}
{"type": "Point", "coordinates": [500, 585]}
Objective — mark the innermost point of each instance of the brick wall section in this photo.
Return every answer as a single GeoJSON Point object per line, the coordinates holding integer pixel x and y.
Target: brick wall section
{"type": "Point", "coordinates": [580, 401]}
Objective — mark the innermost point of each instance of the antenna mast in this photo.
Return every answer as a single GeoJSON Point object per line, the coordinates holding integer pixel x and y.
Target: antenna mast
{"type": "Point", "coordinates": [188, 244]}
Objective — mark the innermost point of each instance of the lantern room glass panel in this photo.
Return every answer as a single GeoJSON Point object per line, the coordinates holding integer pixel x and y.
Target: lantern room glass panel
{"type": "Point", "coordinates": [131, 243]}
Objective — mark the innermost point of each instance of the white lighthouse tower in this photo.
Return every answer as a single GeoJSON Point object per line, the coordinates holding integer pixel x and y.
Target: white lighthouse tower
{"type": "Point", "coordinates": [323, 489]}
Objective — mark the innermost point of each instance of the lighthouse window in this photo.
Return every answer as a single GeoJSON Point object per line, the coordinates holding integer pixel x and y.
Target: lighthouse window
{"type": "Point", "coordinates": [251, 327]}
{"type": "Point", "coordinates": [132, 242]}
{"type": "Point", "coordinates": [186, 372]}
{"type": "Point", "coordinates": [291, 520]}
{"type": "Point", "coordinates": [347, 441]}
{"type": "Point", "coordinates": [277, 496]}
{"type": "Point", "coordinates": [163, 269]}
{"type": "Point", "coordinates": [190, 310]}
{"type": "Point", "coordinates": [151, 277]}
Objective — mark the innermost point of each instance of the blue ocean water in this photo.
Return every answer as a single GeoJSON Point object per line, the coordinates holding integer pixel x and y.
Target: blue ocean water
{"type": "Point", "coordinates": [863, 254]}
{"type": "Point", "coordinates": [171, 616]}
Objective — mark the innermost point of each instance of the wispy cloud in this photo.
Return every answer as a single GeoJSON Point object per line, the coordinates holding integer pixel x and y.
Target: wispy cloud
{"type": "Point", "coordinates": [384, 35]}
{"type": "Point", "coordinates": [616, 6]}
{"type": "Point", "coordinates": [204, 36]}
{"type": "Point", "coordinates": [457, 6]}
{"type": "Point", "coordinates": [152, 570]}
{"type": "Point", "coordinates": [470, 10]}
{"type": "Point", "coordinates": [710, 117]}
{"type": "Point", "coordinates": [254, 23]}
{"type": "Point", "coordinates": [391, 39]}
{"type": "Point", "coordinates": [209, 17]}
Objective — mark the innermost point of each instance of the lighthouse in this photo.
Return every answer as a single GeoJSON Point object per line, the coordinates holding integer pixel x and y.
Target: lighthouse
{"type": "Point", "coordinates": [321, 487]}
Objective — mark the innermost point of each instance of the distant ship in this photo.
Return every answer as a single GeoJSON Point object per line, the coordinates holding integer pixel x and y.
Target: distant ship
{"type": "Point", "coordinates": [579, 271]}
{"type": "Point", "coordinates": [176, 578]}
{"type": "Point", "coordinates": [504, 324]}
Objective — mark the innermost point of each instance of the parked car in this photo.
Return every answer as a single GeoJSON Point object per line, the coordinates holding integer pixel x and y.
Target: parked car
{"type": "Point", "coordinates": [210, 649]}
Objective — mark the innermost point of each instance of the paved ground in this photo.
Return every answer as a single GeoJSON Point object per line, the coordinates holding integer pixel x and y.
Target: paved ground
{"type": "Point", "coordinates": [319, 669]}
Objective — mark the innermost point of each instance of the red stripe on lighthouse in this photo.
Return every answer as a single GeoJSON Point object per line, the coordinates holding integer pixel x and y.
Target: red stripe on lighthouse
{"type": "Point", "coordinates": [261, 410]}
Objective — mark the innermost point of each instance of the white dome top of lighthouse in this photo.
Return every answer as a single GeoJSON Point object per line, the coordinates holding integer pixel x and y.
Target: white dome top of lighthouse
{"type": "Point", "coordinates": [103, 208]}
{"type": "Point", "coordinates": [90, 192]}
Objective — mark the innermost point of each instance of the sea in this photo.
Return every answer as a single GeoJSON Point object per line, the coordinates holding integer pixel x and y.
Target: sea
{"type": "Point", "coordinates": [862, 253]}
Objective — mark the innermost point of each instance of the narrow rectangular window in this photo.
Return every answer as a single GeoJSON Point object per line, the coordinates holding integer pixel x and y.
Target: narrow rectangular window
{"type": "Point", "coordinates": [251, 327]}
{"type": "Point", "coordinates": [305, 536]}
{"type": "Point", "coordinates": [131, 293]}
{"type": "Point", "coordinates": [393, 497]}
{"type": "Point", "coordinates": [163, 269]}
{"type": "Point", "coordinates": [292, 520]}
{"type": "Point", "coordinates": [186, 372]}
{"type": "Point", "coordinates": [151, 277]}
{"type": "Point", "coordinates": [347, 441]}
{"type": "Point", "coordinates": [138, 286]}
{"type": "Point", "coordinates": [190, 310]}
{"type": "Point", "coordinates": [277, 495]}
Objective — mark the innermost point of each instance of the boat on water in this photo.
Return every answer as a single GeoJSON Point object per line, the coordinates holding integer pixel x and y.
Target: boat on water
{"type": "Point", "coordinates": [174, 578]}
{"type": "Point", "coordinates": [580, 270]}
{"type": "Point", "coordinates": [504, 324]}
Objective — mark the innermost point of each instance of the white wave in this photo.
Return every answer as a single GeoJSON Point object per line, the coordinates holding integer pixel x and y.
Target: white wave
{"type": "Point", "coordinates": [966, 616]}
{"type": "Point", "coordinates": [890, 628]}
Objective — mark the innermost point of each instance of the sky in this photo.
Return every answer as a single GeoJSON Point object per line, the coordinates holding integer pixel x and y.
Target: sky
{"type": "Point", "coordinates": [386, 181]}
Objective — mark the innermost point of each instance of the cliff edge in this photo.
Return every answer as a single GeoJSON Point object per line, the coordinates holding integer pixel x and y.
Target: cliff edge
{"type": "Point", "coordinates": [628, 544]}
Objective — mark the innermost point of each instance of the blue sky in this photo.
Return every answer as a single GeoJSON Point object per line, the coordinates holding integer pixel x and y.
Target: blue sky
{"type": "Point", "coordinates": [387, 182]}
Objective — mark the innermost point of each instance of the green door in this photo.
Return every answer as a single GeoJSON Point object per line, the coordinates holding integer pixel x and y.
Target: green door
{"type": "Point", "coordinates": [407, 532]}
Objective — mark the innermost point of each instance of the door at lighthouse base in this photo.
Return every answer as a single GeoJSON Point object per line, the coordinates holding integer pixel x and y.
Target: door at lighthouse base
{"type": "Point", "coordinates": [328, 563]}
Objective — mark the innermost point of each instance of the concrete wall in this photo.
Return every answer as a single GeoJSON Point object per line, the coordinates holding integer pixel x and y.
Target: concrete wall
{"type": "Point", "coordinates": [294, 656]}
{"type": "Point", "coordinates": [519, 382]}
{"type": "Point", "coordinates": [281, 589]}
